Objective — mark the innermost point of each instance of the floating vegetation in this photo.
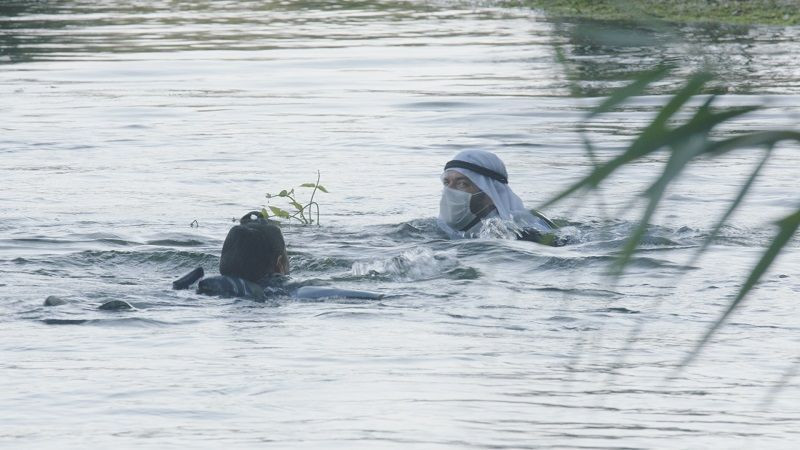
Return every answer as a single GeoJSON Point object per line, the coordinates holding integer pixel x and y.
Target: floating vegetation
{"type": "Point", "coordinates": [772, 12]}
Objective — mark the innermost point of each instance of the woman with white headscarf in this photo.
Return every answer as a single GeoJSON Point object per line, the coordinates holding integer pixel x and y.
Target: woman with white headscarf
{"type": "Point", "coordinates": [477, 200]}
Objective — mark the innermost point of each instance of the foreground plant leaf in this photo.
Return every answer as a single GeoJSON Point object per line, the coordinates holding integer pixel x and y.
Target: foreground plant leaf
{"type": "Point", "coordinates": [787, 228]}
{"type": "Point", "coordinates": [653, 138]}
{"type": "Point", "coordinates": [734, 204]}
{"type": "Point", "coordinates": [686, 143]}
{"type": "Point", "coordinates": [632, 90]}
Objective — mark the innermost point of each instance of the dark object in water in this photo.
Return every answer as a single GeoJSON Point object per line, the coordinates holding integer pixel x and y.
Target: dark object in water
{"type": "Point", "coordinates": [533, 235]}
{"type": "Point", "coordinates": [276, 285]}
{"type": "Point", "coordinates": [64, 321]}
{"type": "Point", "coordinates": [52, 300]}
{"type": "Point", "coordinates": [252, 251]}
{"type": "Point", "coordinates": [542, 237]}
{"type": "Point", "coordinates": [187, 280]}
{"type": "Point", "coordinates": [224, 286]}
{"type": "Point", "coordinates": [115, 305]}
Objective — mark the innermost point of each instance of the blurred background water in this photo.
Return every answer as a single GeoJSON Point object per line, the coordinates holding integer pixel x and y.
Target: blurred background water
{"type": "Point", "coordinates": [123, 122]}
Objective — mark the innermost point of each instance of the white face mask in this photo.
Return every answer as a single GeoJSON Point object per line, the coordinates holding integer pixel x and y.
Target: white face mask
{"type": "Point", "coordinates": [454, 208]}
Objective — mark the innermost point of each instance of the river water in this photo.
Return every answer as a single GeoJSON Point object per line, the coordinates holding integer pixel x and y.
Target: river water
{"type": "Point", "coordinates": [123, 122]}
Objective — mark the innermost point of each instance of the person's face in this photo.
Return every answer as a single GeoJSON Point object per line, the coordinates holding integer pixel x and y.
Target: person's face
{"type": "Point", "coordinates": [458, 181]}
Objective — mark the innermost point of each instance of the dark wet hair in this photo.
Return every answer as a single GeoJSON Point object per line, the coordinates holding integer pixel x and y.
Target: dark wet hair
{"type": "Point", "coordinates": [251, 250]}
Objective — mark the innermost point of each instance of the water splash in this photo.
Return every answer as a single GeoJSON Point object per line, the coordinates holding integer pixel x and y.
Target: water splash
{"type": "Point", "coordinates": [411, 265]}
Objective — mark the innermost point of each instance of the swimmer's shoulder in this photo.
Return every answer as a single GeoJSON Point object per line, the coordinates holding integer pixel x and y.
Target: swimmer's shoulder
{"type": "Point", "coordinates": [274, 285]}
{"type": "Point", "coordinates": [226, 286]}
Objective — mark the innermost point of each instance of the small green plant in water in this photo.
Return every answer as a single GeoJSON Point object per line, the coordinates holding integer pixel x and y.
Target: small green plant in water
{"type": "Point", "coordinates": [300, 211]}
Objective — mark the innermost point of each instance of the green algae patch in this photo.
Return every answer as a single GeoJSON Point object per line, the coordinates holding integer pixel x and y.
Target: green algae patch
{"type": "Point", "coordinates": [743, 12]}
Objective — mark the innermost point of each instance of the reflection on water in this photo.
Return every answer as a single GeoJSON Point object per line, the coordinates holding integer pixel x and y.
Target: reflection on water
{"type": "Point", "coordinates": [745, 59]}
{"type": "Point", "coordinates": [124, 122]}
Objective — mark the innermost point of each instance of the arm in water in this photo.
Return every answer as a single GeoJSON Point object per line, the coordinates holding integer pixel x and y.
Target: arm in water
{"type": "Point", "coordinates": [226, 286]}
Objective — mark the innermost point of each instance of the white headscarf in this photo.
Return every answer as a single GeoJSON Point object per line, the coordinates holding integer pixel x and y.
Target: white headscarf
{"type": "Point", "coordinates": [510, 209]}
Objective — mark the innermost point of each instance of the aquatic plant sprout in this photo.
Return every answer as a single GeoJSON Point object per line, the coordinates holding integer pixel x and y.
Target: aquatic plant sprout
{"type": "Point", "coordinates": [302, 212]}
{"type": "Point", "coordinates": [686, 141]}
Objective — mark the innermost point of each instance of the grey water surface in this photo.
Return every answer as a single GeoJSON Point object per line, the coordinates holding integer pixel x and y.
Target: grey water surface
{"type": "Point", "coordinates": [121, 123]}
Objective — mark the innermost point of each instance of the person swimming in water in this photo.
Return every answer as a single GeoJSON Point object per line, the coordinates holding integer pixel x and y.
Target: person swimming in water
{"type": "Point", "coordinates": [254, 264]}
{"type": "Point", "coordinates": [476, 196]}
{"type": "Point", "coordinates": [253, 259]}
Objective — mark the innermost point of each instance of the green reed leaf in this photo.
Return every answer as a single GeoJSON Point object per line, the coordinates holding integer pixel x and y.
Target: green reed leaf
{"type": "Point", "coordinates": [687, 142]}
{"type": "Point", "coordinates": [787, 228]}
{"type": "Point", "coordinates": [677, 161]}
{"type": "Point", "coordinates": [693, 87]}
{"type": "Point", "coordinates": [322, 188]}
{"type": "Point", "coordinates": [731, 208]}
{"type": "Point", "coordinates": [653, 138]}
{"type": "Point", "coordinates": [634, 89]}
{"type": "Point", "coordinates": [751, 140]}
{"type": "Point", "coordinates": [308, 185]}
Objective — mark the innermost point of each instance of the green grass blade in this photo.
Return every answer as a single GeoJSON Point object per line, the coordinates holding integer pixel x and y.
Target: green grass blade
{"type": "Point", "coordinates": [708, 120]}
{"type": "Point", "coordinates": [678, 160]}
{"type": "Point", "coordinates": [751, 140]}
{"type": "Point", "coordinates": [632, 90]}
{"type": "Point", "coordinates": [701, 124]}
{"type": "Point", "coordinates": [794, 369]}
{"type": "Point", "coordinates": [686, 149]}
{"type": "Point", "coordinates": [734, 204]}
{"type": "Point", "coordinates": [687, 141]}
{"type": "Point", "coordinates": [600, 173]}
{"type": "Point", "coordinates": [788, 227]}
{"type": "Point", "coordinates": [692, 88]}
{"type": "Point", "coordinates": [633, 241]}
{"type": "Point", "coordinates": [650, 140]}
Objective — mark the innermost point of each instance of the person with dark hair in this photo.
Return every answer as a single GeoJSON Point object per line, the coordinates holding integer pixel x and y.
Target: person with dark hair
{"type": "Point", "coordinates": [253, 258]}
{"type": "Point", "coordinates": [254, 264]}
{"type": "Point", "coordinates": [253, 251]}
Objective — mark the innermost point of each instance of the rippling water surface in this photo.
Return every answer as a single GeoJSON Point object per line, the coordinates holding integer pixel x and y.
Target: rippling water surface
{"type": "Point", "coordinates": [123, 122]}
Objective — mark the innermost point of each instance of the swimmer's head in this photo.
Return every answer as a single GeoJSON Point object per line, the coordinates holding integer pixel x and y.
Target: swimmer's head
{"type": "Point", "coordinates": [254, 250]}
{"type": "Point", "coordinates": [464, 200]}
